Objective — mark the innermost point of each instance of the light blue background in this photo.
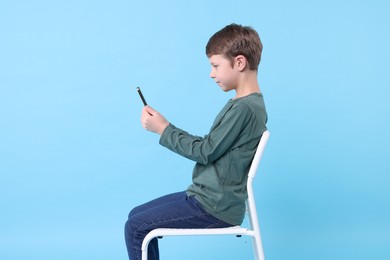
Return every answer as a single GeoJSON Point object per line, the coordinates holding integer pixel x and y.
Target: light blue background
{"type": "Point", "coordinates": [74, 158]}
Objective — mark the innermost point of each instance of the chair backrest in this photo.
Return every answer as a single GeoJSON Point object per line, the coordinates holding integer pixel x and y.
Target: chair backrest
{"type": "Point", "coordinates": [259, 153]}
{"type": "Point", "coordinates": [252, 212]}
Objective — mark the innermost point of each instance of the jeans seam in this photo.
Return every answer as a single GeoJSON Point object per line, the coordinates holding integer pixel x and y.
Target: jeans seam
{"type": "Point", "coordinates": [215, 224]}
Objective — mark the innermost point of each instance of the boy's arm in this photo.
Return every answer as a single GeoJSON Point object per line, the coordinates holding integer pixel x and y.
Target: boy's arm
{"type": "Point", "coordinates": [215, 144]}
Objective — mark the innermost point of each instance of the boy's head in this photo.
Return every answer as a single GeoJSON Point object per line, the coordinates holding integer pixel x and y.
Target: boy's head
{"type": "Point", "coordinates": [234, 40]}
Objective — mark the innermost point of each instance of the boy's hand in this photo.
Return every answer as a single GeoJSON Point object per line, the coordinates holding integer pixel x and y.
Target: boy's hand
{"type": "Point", "coordinates": [153, 121]}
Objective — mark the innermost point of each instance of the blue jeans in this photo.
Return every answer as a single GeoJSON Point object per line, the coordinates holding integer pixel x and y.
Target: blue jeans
{"type": "Point", "coordinates": [175, 210]}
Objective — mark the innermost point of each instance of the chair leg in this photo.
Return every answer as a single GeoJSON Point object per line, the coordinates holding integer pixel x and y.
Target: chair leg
{"type": "Point", "coordinates": [144, 248]}
{"type": "Point", "coordinates": [258, 248]}
{"type": "Point", "coordinates": [145, 254]}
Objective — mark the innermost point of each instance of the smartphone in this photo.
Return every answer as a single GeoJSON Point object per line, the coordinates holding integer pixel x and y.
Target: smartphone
{"type": "Point", "coordinates": [141, 96]}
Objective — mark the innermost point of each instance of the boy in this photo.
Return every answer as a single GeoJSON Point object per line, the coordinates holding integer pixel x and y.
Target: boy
{"type": "Point", "coordinates": [216, 198]}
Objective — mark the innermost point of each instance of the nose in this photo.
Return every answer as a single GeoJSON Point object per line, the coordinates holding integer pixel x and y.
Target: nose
{"type": "Point", "coordinates": [212, 73]}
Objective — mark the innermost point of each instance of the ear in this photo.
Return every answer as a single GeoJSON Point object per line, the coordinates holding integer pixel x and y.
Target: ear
{"type": "Point", "coordinates": [240, 62]}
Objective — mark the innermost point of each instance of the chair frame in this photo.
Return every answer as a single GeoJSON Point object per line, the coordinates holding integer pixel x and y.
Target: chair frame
{"type": "Point", "coordinates": [253, 230]}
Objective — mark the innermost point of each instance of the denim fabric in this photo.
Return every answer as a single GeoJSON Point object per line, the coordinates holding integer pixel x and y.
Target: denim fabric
{"type": "Point", "coordinates": [175, 210]}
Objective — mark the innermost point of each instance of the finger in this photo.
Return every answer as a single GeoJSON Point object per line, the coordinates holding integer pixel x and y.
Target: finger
{"type": "Point", "coordinates": [150, 110]}
{"type": "Point", "coordinates": [144, 117]}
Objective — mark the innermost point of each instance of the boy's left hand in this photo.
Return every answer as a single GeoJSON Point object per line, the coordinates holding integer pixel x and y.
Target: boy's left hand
{"type": "Point", "coordinates": [153, 121]}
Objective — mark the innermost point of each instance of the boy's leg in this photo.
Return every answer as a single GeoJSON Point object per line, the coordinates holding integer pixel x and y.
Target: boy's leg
{"type": "Point", "coordinates": [172, 211]}
{"type": "Point", "coordinates": [153, 252]}
{"type": "Point", "coordinates": [155, 203]}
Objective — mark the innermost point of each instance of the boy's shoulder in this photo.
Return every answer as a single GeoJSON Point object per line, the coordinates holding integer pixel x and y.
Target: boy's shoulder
{"type": "Point", "coordinates": [249, 99]}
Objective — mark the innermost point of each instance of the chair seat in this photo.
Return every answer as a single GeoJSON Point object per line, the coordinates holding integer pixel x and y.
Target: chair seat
{"type": "Point", "coordinates": [201, 231]}
{"type": "Point", "coordinates": [159, 232]}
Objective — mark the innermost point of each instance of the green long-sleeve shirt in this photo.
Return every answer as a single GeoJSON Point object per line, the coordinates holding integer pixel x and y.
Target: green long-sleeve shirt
{"type": "Point", "coordinates": [223, 156]}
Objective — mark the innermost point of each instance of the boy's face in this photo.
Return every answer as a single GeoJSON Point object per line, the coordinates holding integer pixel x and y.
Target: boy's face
{"type": "Point", "coordinates": [223, 73]}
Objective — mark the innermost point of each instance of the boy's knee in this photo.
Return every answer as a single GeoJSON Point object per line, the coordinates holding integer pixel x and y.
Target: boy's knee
{"type": "Point", "coordinates": [129, 229]}
{"type": "Point", "coordinates": [135, 230]}
{"type": "Point", "coordinates": [133, 212]}
{"type": "Point", "coordinates": [133, 224]}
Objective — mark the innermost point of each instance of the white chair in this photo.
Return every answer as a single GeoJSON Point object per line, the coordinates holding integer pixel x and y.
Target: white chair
{"type": "Point", "coordinates": [253, 230]}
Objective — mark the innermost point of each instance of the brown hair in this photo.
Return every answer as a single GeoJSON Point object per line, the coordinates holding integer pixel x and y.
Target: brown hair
{"type": "Point", "coordinates": [234, 40]}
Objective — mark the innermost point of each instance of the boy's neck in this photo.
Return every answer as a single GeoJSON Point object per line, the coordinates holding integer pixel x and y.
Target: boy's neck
{"type": "Point", "coordinates": [247, 85]}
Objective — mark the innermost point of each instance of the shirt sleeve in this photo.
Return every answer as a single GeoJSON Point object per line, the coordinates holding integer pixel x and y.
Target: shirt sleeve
{"type": "Point", "coordinates": [221, 138]}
